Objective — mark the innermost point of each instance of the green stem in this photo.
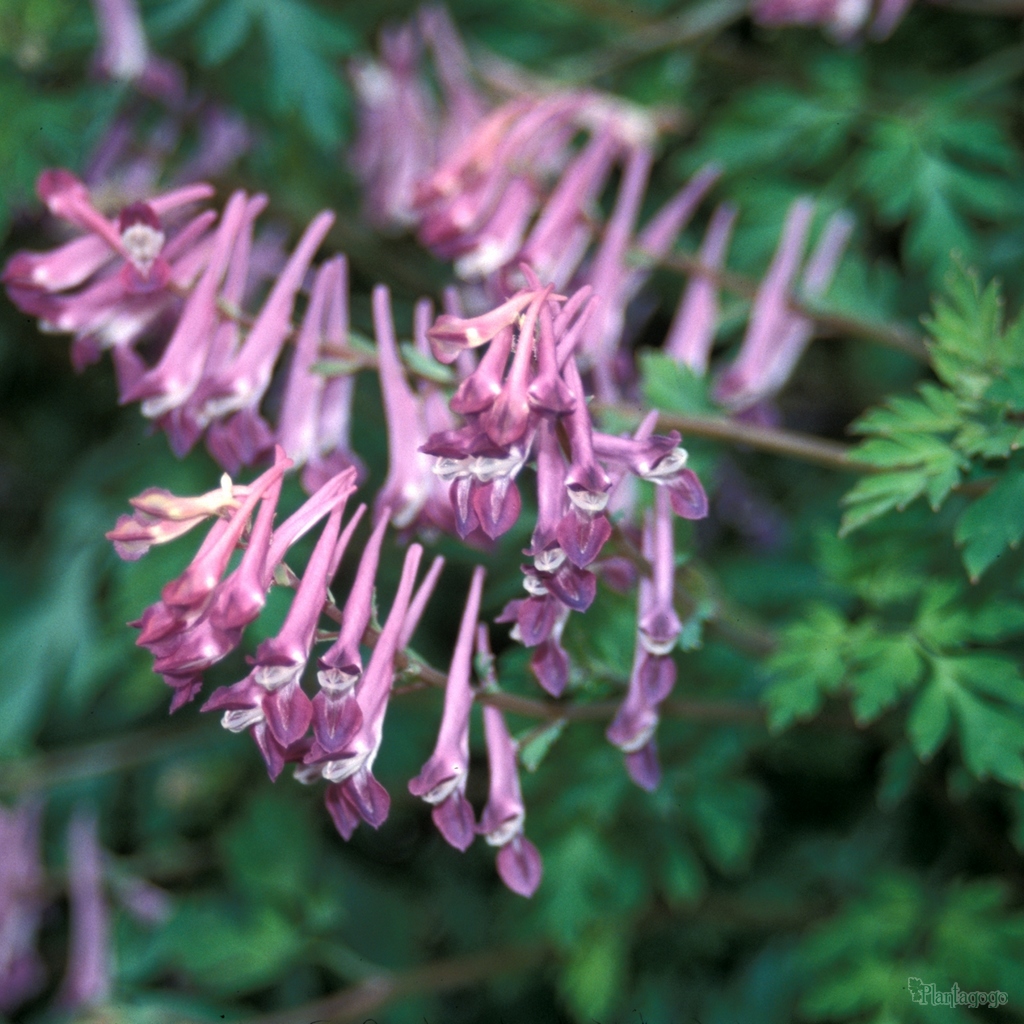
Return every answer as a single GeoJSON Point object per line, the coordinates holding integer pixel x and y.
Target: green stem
{"type": "Point", "coordinates": [779, 441]}
{"type": "Point", "coordinates": [358, 1002]}
{"type": "Point", "coordinates": [683, 29]}
{"type": "Point", "coordinates": [103, 757]}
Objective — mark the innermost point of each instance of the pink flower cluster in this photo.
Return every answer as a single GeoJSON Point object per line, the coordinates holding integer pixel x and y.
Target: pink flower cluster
{"type": "Point", "coordinates": [510, 190]}
{"type": "Point", "coordinates": [151, 277]}
{"type": "Point", "coordinates": [335, 735]}
{"type": "Point", "coordinates": [513, 181]}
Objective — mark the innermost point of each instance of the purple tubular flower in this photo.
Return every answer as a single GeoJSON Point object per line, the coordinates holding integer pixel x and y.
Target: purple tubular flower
{"type": "Point", "coordinates": [482, 385]}
{"type": "Point", "coordinates": [660, 627]}
{"type": "Point", "coordinates": [465, 106]}
{"type": "Point", "coordinates": [658, 459]}
{"type": "Point", "coordinates": [609, 276]}
{"type": "Point", "coordinates": [761, 368]}
{"type": "Point", "coordinates": [548, 393]}
{"type": "Point", "coordinates": [395, 146]}
{"type": "Point", "coordinates": [333, 449]}
{"type": "Point", "coordinates": [692, 332]}
{"type": "Point", "coordinates": [123, 52]}
{"type": "Point", "coordinates": [22, 903]}
{"type": "Point", "coordinates": [656, 239]}
{"type": "Point", "coordinates": [170, 383]}
{"type": "Point", "coordinates": [442, 780]}
{"type": "Point", "coordinates": [495, 243]}
{"type": "Point", "coordinates": [241, 384]}
{"type": "Point", "coordinates": [419, 602]}
{"type": "Point", "coordinates": [654, 671]}
{"type": "Point", "coordinates": [336, 714]}
{"type": "Point", "coordinates": [544, 548]}
{"type": "Point", "coordinates": [549, 662]}
{"type": "Point", "coordinates": [160, 517]}
{"type": "Point", "coordinates": [270, 700]}
{"type": "Point", "coordinates": [509, 415]}
{"type": "Point", "coordinates": [450, 335]}
{"type": "Point", "coordinates": [777, 336]}
{"type": "Point", "coordinates": [88, 972]}
{"type": "Point", "coordinates": [410, 478]}
{"type": "Point", "coordinates": [298, 423]}
{"type": "Point", "coordinates": [501, 824]}
{"type": "Point", "coordinates": [355, 794]}
{"type": "Point", "coordinates": [561, 226]}
{"type": "Point", "coordinates": [584, 529]}
{"type": "Point", "coordinates": [341, 666]}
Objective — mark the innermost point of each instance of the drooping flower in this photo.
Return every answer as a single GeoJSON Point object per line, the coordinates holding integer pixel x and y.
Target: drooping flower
{"type": "Point", "coordinates": [160, 517]}
{"type": "Point", "coordinates": [654, 670]}
{"type": "Point", "coordinates": [504, 816]}
{"type": "Point", "coordinates": [396, 141]}
{"type": "Point", "coordinates": [270, 701]}
{"type": "Point", "coordinates": [442, 780]}
{"type": "Point", "coordinates": [87, 977]}
{"type": "Point", "coordinates": [355, 794]}
{"type": "Point", "coordinates": [776, 335]}
{"type": "Point", "coordinates": [691, 334]}
{"type": "Point", "coordinates": [22, 904]}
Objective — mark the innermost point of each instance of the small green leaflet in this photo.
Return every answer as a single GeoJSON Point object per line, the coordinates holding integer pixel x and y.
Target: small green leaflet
{"type": "Point", "coordinates": [302, 45]}
{"type": "Point", "coordinates": [992, 523]}
{"type": "Point", "coordinates": [673, 387]}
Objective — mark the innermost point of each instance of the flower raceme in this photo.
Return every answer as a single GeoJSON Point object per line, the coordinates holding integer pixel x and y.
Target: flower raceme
{"type": "Point", "coordinates": [162, 277]}
{"type": "Point", "coordinates": [335, 736]}
{"type": "Point", "coordinates": [520, 394]}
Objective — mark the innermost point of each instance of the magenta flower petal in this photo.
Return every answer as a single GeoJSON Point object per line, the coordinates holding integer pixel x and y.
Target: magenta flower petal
{"type": "Point", "coordinates": [289, 713]}
{"type": "Point", "coordinates": [550, 664]}
{"type": "Point", "coordinates": [455, 820]}
{"type": "Point", "coordinates": [519, 866]}
{"type": "Point", "coordinates": [643, 766]}
{"type": "Point", "coordinates": [345, 817]}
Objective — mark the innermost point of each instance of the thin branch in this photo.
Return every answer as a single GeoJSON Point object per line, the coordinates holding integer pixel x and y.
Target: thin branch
{"type": "Point", "coordinates": [791, 443]}
{"type": "Point", "coordinates": [357, 1002]}
{"type": "Point", "coordinates": [683, 29]}
{"type": "Point", "coordinates": [1009, 8]}
{"type": "Point", "coordinates": [102, 757]}
{"type": "Point", "coordinates": [831, 321]}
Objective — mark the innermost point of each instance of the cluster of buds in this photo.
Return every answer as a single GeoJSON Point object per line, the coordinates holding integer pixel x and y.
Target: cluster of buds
{"type": "Point", "coordinates": [486, 182]}
{"type": "Point", "coordinates": [335, 735]}
{"type": "Point", "coordinates": [844, 19]}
